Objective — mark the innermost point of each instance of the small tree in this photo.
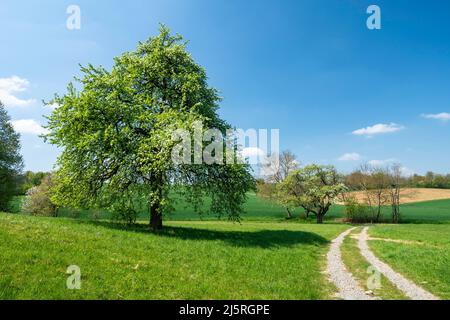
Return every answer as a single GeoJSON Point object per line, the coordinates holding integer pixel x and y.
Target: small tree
{"type": "Point", "coordinates": [10, 159]}
{"type": "Point", "coordinates": [380, 191]}
{"type": "Point", "coordinates": [313, 188]}
{"type": "Point", "coordinates": [38, 199]}
{"type": "Point", "coordinates": [395, 188]}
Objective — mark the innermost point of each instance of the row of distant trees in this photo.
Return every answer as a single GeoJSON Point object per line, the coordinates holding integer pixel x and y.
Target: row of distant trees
{"type": "Point", "coordinates": [429, 180]}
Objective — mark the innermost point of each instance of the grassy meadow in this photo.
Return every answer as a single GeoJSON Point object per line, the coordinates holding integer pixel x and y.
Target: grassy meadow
{"type": "Point", "coordinates": [264, 257]}
{"type": "Point", "coordinates": [188, 260]}
{"type": "Point", "coordinates": [423, 257]}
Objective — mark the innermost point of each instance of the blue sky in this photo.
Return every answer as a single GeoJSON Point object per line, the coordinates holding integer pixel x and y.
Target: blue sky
{"type": "Point", "coordinates": [309, 68]}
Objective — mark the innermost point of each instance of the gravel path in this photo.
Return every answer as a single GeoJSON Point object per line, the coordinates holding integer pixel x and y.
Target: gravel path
{"type": "Point", "coordinates": [348, 287]}
{"type": "Point", "coordinates": [409, 288]}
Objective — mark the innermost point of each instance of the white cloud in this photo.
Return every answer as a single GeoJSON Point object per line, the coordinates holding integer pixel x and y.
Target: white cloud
{"type": "Point", "coordinates": [350, 157]}
{"type": "Point", "coordinates": [9, 87]}
{"type": "Point", "coordinates": [379, 128]}
{"type": "Point", "coordinates": [378, 163]}
{"type": "Point", "coordinates": [444, 116]}
{"type": "Point", "coordinates": [270, 164]}
{"type": "Point", "coordinates": [252, 152]}
{"type": "Point", "coordinates": [406, 172]}
{"type": "Point", "coordinates": [28, 126]}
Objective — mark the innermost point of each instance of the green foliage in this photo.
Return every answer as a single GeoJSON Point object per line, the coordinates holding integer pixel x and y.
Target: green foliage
{"type": "Point", "coordinates": [270, 192]}
{"type": "Point", "coordinates": [313, 188]}
{"type": "Point", "coordinates": [31, 179]}
{"type": "Point", "coordinates": [430, 180]}
{"type": "Point", "coordinates": [127, 209]}
{"type": "Point", "coordinates": [356, 212]}
{"type": "Point", "coordinates": [15, 205]}
{"type": "Point", "coordinates": [124, 213]}
{"type": "Point", "coordinates": [10, 160]}
{"type": "Point", "coordinates": [38, 199]}
{"type": "Point", "coordinates": [116, 134]}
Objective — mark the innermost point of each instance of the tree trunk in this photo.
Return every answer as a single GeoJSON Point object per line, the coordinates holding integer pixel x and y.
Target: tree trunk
{"type": "Point", "coordinates": [155, 203]}
{"type": "Point", "coordinates": [307, 213]}
{"type": "Point", "coordinates": [320, 218]}
{"type": "Point", "coordinates": [395, 205]}
{"type": "Point", "coordinates": [155, 218]}
{"type": "Point", "coordinates": [377, 219]}
{"type": "Point", "coordinates": [289, 214]}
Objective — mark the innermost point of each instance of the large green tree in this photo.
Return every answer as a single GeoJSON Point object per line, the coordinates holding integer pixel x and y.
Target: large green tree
{"type": "Point", "coordinates": [10, 159]}
{"type": "Point", "coordinates": [314, 188]}
{"type": "Point", "coordinates": [116, 135]}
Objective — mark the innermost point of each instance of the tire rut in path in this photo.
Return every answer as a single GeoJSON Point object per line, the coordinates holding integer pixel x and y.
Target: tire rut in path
{"type": "Point", "coordinates": [348, 287]}
{"type": "Point", "coordinates": [409, 288]}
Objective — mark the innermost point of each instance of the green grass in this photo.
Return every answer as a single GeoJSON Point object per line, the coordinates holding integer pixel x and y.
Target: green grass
{"type": "Point", "coordinates": [359, 267]}
{"type": "Point", "coordinates": [188, 260]}
{"type": "Point", "coordinates": [257, 209]}
{"type": "Point", "coordinates": [437, 211]}
{"type": "Point", "coordinates": [426, 262]}
{"type": "Point", "coordinates": [265, 257]}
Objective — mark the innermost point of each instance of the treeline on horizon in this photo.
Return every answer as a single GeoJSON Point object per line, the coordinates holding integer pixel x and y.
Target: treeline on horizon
{"type": "Point", "coordinates": [430, 180]}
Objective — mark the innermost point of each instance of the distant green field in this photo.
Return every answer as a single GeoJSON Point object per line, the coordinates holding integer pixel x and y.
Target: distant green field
{"type": "Point", "coordinates": [257, 209]}
{"type": "Point", "coordinates": [431, 211]}
{"type": "Point", "coordinates": [188, 260]}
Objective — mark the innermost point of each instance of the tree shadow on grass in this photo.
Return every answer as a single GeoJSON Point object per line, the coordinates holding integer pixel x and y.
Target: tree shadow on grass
{"type": "Point", "coordinates": [263, 239]}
